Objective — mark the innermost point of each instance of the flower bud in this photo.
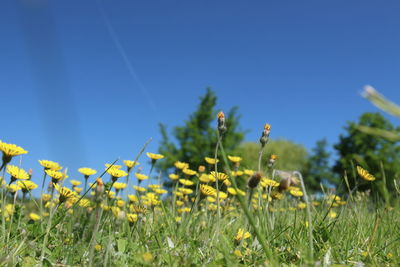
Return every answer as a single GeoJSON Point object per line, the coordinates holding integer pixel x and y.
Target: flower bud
{"type": "Point", "coordinates": [254, 180]}
{"type": "Point", "coordinates": [272, 160]}
{"type": "Point", "coordinates": [265, 134]}
{"type": "Point", "coordinates": [201, 168]}
{"type": "Point", "coordinates": [221, 123]}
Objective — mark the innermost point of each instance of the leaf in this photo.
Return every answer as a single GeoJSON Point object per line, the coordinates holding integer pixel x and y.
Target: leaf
{"type": "Point", "coordinates": [380, 101]}
{"type": "Point", "coordinates": [170, 243]}
{"type": "Point", "coordinates": [121, 243]}
{"type": "Point", "coordinates": [388, 135]}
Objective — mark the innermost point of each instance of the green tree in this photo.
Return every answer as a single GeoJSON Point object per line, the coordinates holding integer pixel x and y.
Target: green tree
{"type": "Point", "coordinates": [317, 169]}
{"type": "Point", "coordinates": [197, 138]}
{"type": "Point", "coordinates": [379, 156]}
{"type": "Point", "coordinates": [291, 156]}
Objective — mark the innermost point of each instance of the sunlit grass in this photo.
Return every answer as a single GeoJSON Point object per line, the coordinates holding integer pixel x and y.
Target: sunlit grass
{"type": "Point", "coordinates": [204, 218]}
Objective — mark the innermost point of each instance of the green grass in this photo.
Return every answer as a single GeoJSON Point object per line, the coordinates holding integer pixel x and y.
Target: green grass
{"type": "Point", "coordinates": [361, 232]}
{"type": "Point", "coordinates": [194, 230]}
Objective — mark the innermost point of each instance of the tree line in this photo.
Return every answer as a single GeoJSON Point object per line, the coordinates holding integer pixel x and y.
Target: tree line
{"type": "Point", "coordinates": [321, 168]}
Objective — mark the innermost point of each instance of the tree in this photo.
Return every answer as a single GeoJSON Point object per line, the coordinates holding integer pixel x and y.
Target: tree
{"type": "Point", "coordinates": [291, 156]}
{"type": "Point", "coordinates": [318, 170]}
{"type": "Point", "coordinates": [197, 138]}
{"type": "Point", "coordinates": [379, 156]}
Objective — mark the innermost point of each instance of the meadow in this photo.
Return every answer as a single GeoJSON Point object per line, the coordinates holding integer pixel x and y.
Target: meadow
{"type": "Point", "coordinates": [215, 214]}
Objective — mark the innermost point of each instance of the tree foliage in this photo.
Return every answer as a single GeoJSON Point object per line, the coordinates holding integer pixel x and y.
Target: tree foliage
{"type": "Point", "coordinates": [379, 156]}
{"type": "Point", "coordinates": [318, 171]}
{"type": "Point", "coordinates": [197, 138]}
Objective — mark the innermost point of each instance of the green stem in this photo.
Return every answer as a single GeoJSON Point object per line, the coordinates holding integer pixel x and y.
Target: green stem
{"type": "Point", "coordinates": [242, 202]}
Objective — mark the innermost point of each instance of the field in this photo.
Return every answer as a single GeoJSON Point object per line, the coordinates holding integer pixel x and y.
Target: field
{"type": "Point", "coordinates": [201, 219]}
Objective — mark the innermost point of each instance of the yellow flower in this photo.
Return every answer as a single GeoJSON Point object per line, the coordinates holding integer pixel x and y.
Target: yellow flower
{"type": "Point", "coordinates": [139, 188]}
{"type": "Point", "coordinates": [268, 182]}
{"type": "Point", "coordinates": [84, 202]}
{"type": "Point", "coordinates": [365, 174]}
{"type": "Point", "coordinates": [181, 165]}
{"type": "Point", "coordinates": [120, 203]}
{"type": "Point", "coordinates": [98, 247]}
{"type": "Point", "coordinates": [160, 191]}
{"type": "Point", "coordinates": [227, 182]}
{"type": "Point", "coordinates": [173, 176]}
{"type": "Point", "coordinates": [17, 173]}
{"type": "Point", "coordinates": [133, 198]}
{"type": "Point", "coordinates": [154, 156]}
{"type": "Point", "coordinates": [111, 166]}
{"type": "Point", "coordinates": [220, 175]}
{"type": "Point", "coordinates": [222, 195]}
{"type": "Point", "coordinates": [116, 173]}
{"type": "Point", "coordinates": [119, 186]}
{"type": "Point", "coordinates": [208, 190]}
{"type": "Point", "coordinates": [27, 185]}
{"type": "Point", "coordinates": [185, 191]}
{"type": "Point", "coordinates": [332, 214]}
{"type": "Point", "coordinates": [154, 186]}
{"type": "Point", "coordinates": [87, 171]}
{"type": "Point", "coordinates": [147, 257]}
{"type": "Point", "coordinates": [233, 191]}
{"type": "Point", "coordinates": [178, 194]}
{"type": "Point", "coordinates": [50, 165]}
{"type": "Point", "coordinates": [273, 157]}
{"type": "Point", "coordinates": [56, 175]}
{"type": "Point", "coordinates": [141, 176]}
{"type": "Point", "coordinates": [110, 194]}
{"type": "Point", "coordinates": [118, 213]}
{"type": "Point", "coordinates": [46, 197]}
{"type": "Point", "coordinates": [235, 159]}
{"type": "Point", "coordinates": [183, 210]}
{"type": "Point", "coordinates": [334, 197]}
{"type": "Point", "coordinates": [248, 172]}
{"type": "Point", "coordinates": [137, 209]}
{"type": "Point", "coordinates": [211, 199]}
{"type": "Point", "coordinates": [9, 210]}
{"type": "Point", "coordinates": [204, 178]}
{"type": "Point", "coordinates": [130, 163]}
{"type": "Point", "coordinates": [10, 150]}
{"type": "Point", "coordinates": [178, 219]}
{"type": "Point", "coordinates": [238, 253]}
{"type": "Point", "coordinates": [315, 203]}
{"type": "Point", "coordinates": [237, 173]}
{"type": "Point", "coordinates": [211, 160]}
{"type": "Point", "coordinates": [186, 182]}
{"type": "Point", "coordinates": [132, 217]}
{"type": "Point", "coordinates": [241, 234]}
{"type": "Point", "coordinates": [75, 182]}
{"type": "Point", "coordinates": [179, 203]}
{"type": "Point", "coordinates": [301, 205]}
{"type": "Point", "coordinates": [189, 172]}
{"type": "Point", "coordinates": [277, 195]}
{"type": "Point", "coordinates": [212, 207]}
{"type": "Point", "coordinates": [296, 193]}
{"type": "Point", "coordinates": [12, 188]}
{"type": "Point", "coordinates": [34, 216]}
{"type": "Point", "coordinates": [65, 192]}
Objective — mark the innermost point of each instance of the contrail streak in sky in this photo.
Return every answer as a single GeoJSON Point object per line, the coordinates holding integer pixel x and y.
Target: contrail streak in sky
{"type": "Point", "coordinates": [127, 62]}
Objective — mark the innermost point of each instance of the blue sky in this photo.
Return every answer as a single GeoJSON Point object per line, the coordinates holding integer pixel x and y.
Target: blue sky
{"type": "Point", "coordinates": [85, 82]}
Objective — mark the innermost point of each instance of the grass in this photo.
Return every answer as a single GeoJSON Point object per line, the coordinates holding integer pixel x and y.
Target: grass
{"type": "Point", "coordinates": [187, 228]}
{"type": "Point", "coordinates": [360, 233]}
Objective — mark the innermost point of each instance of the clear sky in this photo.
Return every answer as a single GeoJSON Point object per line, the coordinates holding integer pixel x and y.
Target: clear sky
{"type": "Point", "coordinates": [85, 82]}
